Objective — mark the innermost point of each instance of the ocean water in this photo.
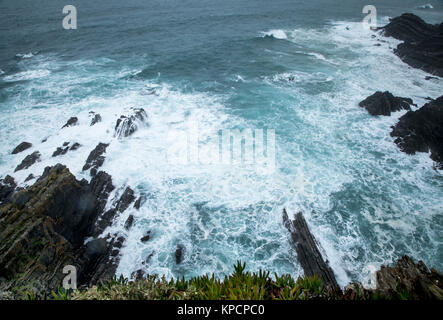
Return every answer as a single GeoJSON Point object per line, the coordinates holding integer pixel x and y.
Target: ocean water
{"type": "Point", "coordinates": [297, 67]}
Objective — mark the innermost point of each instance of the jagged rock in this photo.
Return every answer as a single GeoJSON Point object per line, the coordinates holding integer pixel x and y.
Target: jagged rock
{"type": "Point", "coordinates": [129, 222]}
{"type": "Point", "coordinates": [60, 151]}
{"type": "Point", "coordinates": [308, 254]}
{"type": "Point", "coordinates": [422, 131]}
{"type": "Point", "coordinates": [416, 279]}
{"type": "Point", "coordinates": [95, 159]}
{"type": "Point", "coordinates": [127, 125]}
{"type": "Point", "coordinates": [28, 161]}
{"type": "Point", "coordinates": [101, 186]}
{"type": "Point", "coordinates": [383, 103]}
{"type": "Point", "coordinates": [179, 254]}
{"type": "Point", "coordinates": [7, 187]}
{"type": "Point", "coordinates": [138, 275]}
{"type": "Point", "coordinates": [125, 200]}
{"type": "Point", "coordinates": [96, 119]}
{"type": "Point", "coordinates": [147, 237]}
{"type": "Point", "coordinates": [96, 247]}
{"type": "Point", "coordinates": [43, 227]}
{"type": "Point", "coordinates": [423, 43]}
{"type": "Point", "coordinates": [71, 122]}
{"type": "Point", "coordinates": [21, 147]}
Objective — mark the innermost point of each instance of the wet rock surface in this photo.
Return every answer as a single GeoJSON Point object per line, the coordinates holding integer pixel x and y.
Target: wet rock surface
{"type": "Point", "coordinates": [71, 122]}
{"type": "Point", "coordinates": [126, 125]}
{"type": "Point", "coordinates": [21, 147]}
{"type": "Point", "coordinates": [384, 103]}
{"type": "Point", "coordinates": [422, 131]}
{"type": "Point", "coordinates": [28, 161]}
{"type": "Point", "coordinates": [423, 42]}
{"type": "Point", "coordinates": [96, 158]}
{"type": "Point", "coordinates": [308, 253]}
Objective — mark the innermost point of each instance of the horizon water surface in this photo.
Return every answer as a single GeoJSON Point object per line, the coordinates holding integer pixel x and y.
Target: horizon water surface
{"type": "Point", "coordinates": [297, 67]}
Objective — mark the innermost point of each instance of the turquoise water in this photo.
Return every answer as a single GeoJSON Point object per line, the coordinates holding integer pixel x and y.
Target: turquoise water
{"type": "Point", "coordinates": [298, 67]}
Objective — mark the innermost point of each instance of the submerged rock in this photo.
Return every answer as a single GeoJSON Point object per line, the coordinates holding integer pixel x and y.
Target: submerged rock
{"type": "Point", "coordinates": [383, 103]}
{"type": "Point", "coordinates": [28, 161]}
{"type": "Point", "coordinates": [96, 159]}
{"type": "Point", "coordinates": [129, 222]}
{"type": "Point", "coordinates": [21, 147]}
{"type": "Point", "coordinates": [127, 125]}
{"type": "Point", "coordinates": [422, 131]}
{"type": "Point", "coordinates": [179, 254]}
{"type": "Point", "coordinates": [423, 43]}
{"type": "Point", "coordinates": [147, 237]}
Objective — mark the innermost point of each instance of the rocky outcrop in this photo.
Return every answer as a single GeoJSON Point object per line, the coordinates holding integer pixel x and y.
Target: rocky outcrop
{"type": "Point", "coordinates": [96, 158]}
{"type": "Point", "coordinates": [65, 148]}
{"type": "Point", "coordinates": [308, 254]}
{"type": "Point", "coordinates": [43, 229]}
{"type": "Point", "coordinates": [422, 131]}
{"type": "Point", "coordinates": [423, 42]}
{"type": "Point", "coordinates": [21, 147]}
{"type": "Point", "coordinates": [28, 161]}
{"type": "Point", "coordinates": [415, 279]}
{"type": "Point", "coordinates": [96, 118]}
{"type": "Point", "coordinates": [127, 125]}
{"type": "Point", "coordinates": [71, 122]}
{"type": "Point", "coordinates": [384, 103]}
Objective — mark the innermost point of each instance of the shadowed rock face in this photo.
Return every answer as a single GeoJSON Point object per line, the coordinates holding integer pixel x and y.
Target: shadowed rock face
{"type": "Point", "coordinates": [43, 229]}
{"type": "Point", "coordinates": [384, 103]}
{"type": "Point", "coordinates": [7, 187]}
{"type": "Point", "coordinates": [422, 131]}
{"type": "Point", "coordinates": [423, 43]}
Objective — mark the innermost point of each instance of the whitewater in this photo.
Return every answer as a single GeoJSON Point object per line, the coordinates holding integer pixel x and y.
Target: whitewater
{"type": "Point", "coordinates": [366, 202]}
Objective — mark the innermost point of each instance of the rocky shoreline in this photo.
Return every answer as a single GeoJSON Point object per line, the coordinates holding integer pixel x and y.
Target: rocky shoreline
{"type": "Point", "coordinates": [59, 220]}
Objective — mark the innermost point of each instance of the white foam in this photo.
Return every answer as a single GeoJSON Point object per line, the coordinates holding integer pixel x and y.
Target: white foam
{"type": "Point", "coordinates": [277, 34]}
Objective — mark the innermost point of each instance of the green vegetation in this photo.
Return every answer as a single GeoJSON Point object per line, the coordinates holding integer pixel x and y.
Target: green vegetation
{"type": "Point", "coordinates": [240, 285]}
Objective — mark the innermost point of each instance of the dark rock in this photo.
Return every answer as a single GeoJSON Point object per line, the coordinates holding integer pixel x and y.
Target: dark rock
{"type": "Point", "coordinates": [104, 221]}
{"type": "Point", "coordinates": [308, 254]}
{"type": "Point", "coordinates": [125, 200]}
{"type": "Point", "coordinates": [95, 159]}
{"type": "Point", "coordinates": [101, 186]}
{"type": "Point", "coordinates": [21, 147]}
{"type": "Point", "coordinates": [129, 222]}
{"type": "Point", "coordinates": [423, 43]}
{"type": "Point", "coordinates": [65, 143]}
{"type": "Point", "coordinates": [422, 131]}
{"type": "Point", "coordinates": [96, 119]}
{"type": "Point", "coordinates": [43, 227]}
{"type": "Point", "coordinates": [7, 187]}
{"type": "Point", "coordinates": [179, 254]}
{"type": "Point", "coordinates": [60, 151]}
{"type": "Point", "coordinates": [383, 103]}
{"type": "Point", "coordinates": [75, 146]}
{"type": "Point", "coordinates": [416, 279]}
{"type": "Point", "coordinates": [127, 125]}
{"type": "Point", "coordinates": [147, 237]}
{"type": "Point", "coordinates": [71, 122]}
{"type": "Point", "coordinates": [430, 78]}
{"type": "Point", "coordinates": [28, 161]}
{"type": "Point", "coordinates": [30, 177]}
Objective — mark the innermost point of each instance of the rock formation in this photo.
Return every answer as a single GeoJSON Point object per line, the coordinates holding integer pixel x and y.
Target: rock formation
{"type": "Point", "coordinates": [384, 103]}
